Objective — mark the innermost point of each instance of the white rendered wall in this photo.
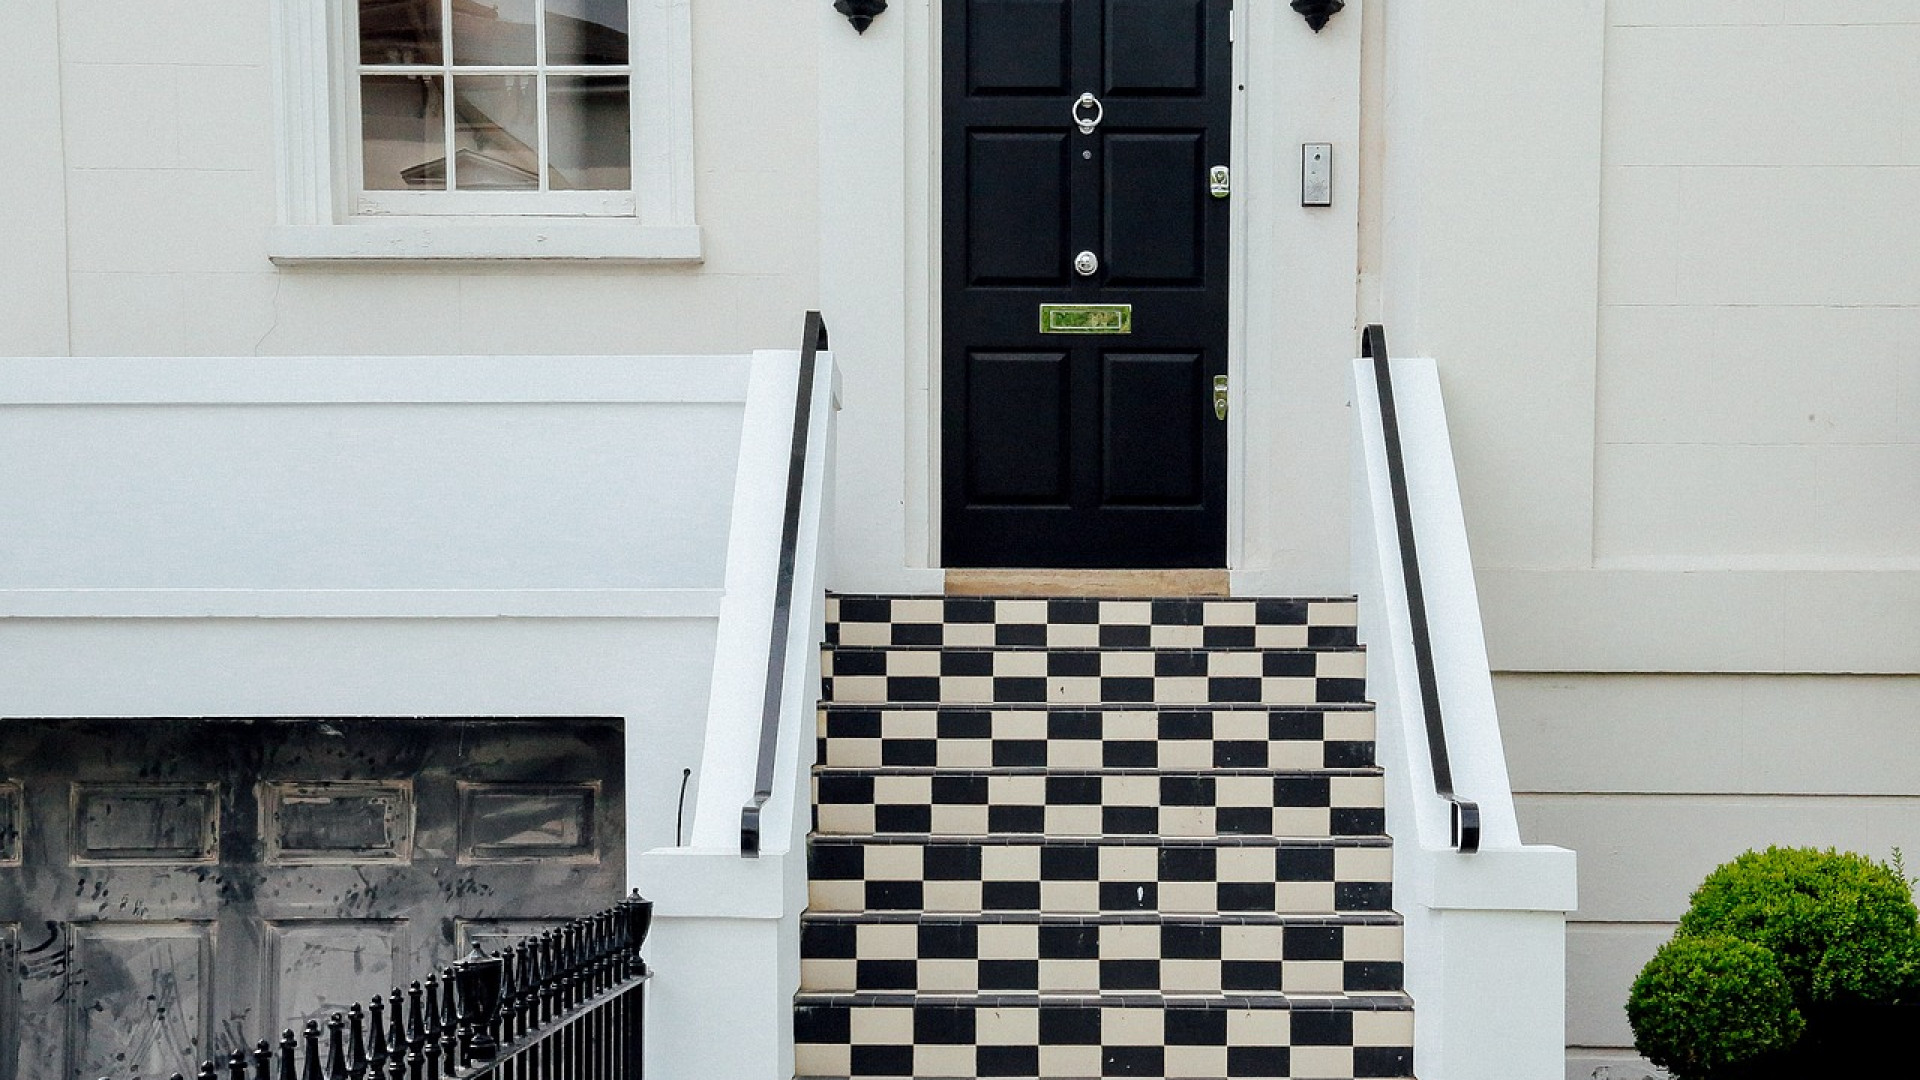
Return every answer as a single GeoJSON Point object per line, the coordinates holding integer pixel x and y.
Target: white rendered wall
{"type": "Point", "coordinates": [1662, 252]}
{"type": "Point", "coordinates": [145, 186]}
{"type": "Point", "coordinates": [335, 536]}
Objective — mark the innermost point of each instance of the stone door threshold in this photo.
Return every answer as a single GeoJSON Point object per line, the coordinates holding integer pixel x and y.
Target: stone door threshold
{"type": "Point", "coordinates": [1015, 582]}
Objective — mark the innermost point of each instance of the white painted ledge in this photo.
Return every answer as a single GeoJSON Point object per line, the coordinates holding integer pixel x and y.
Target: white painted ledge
{"type": "Point", "coordinates": [515, 240]}
{"type": "Point", "coordinates": [386, 380]}
{"type": "Point", "coordinates": [359, 603]}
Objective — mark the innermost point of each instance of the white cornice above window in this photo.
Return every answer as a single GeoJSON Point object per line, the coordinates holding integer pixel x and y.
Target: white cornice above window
{"type": "Point", "coordinates": [324, 217]}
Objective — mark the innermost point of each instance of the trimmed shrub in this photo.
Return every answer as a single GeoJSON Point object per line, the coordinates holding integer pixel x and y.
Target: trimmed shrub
{"type": "Point", "coordinates": [1703, 1006]}
{"type": "Point", "coordinates": [1840, 926]}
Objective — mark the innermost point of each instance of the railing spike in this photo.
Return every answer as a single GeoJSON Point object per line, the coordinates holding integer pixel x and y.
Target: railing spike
{"type": "Point", "coordinates": [416, 1018]}
{"type": "Point", "coordinates": [356, 1043]}
{"type": "Point", "coordinates": [379, 1033]}
{"type": "Point", "coordinates": [310, 1036]}
{"type": "Point", "coordinates": [336, 1047]}
{"type": "Point", "coordinates": [263, 1060]}
{"type": "Point", "coordinates": [237, 1065]}
{"type": "Point", "coordinates": [288, 1043]}
{"type": "Point", "coordinates": [396, 1029]}
{"type": "Point", "coordinates": [207, 1072]}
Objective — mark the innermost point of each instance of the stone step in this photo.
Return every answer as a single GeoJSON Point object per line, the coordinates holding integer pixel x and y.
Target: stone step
{"type": "Point", "coordinates": [1056, 1037]}
{"type": "Point", "coordinates": [894, 872]}
{"type": "Point", "coordinates": [940, 954]}
{"type": "Point", "coordinates": [1086, 622]}
{"type": "Point", "coordinates": [969, 676]}
{"type": "Point", "coordinates": [1092, 803]}
{"type": "Point", "coordinates": [1092, 737]}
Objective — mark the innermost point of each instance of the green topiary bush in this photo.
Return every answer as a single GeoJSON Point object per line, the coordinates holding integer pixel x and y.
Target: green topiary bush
{"type": "Point", "coordinates": [1706, 1005]}
{"type": "Point", "coordinates": [1841, 926]}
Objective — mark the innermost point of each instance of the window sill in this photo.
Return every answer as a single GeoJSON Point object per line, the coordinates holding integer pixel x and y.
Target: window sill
{"type": "Point", "coordinates": [456, 241]}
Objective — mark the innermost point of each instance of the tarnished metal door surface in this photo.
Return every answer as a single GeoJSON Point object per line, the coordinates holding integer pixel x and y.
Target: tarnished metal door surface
{"type": "Point", "coordinates": [171, 887]}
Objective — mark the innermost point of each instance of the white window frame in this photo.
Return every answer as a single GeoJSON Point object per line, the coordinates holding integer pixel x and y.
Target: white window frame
{"type": "Point", "coordinates": [322, 217]}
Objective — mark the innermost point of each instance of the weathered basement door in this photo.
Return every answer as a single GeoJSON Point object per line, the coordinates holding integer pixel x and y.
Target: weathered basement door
{"type": "Point", "coordinates": [169, 888]}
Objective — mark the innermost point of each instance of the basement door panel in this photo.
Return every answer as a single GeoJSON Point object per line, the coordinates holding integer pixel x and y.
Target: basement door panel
{"type": "Point", "coordinates": [185, 884]}
{"type": "Point", "coordinates": [315, 960]}
{"type": "Point", "coordinates": [116, 1033]}
{"type": "Point", "coordinates": [1022, 242]}
{"type": "Point", "coordinates": [1017, 46]}
{"type": "Point", "coordinates": [1098, 447]}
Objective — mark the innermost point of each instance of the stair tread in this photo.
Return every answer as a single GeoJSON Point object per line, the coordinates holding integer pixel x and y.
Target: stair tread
{"type": "Point", "coordinates": [1144, 918]}
{"type": "Point", "coordinates": [1107, 840]}
{"type": "Point", "coordinates": [1151, 649]}
{"type": "Point", "coordinates": [1091, 771]}
{"type": "Point", "coordinates": [1141, 598]}
{"type": "Point", "coordinates": [1360, 999]}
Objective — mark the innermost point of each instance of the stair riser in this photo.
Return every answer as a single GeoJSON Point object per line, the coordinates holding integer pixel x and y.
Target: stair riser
{"type": "Point", "coordinates": [967, 1039]}
{"type": "Point", "coordinates": [1092, 677]}
{"type": "Point", "coordinates": [1084, 622]}
{"type": "Point", "coordinates": [1067, 877]}
{"type": "Point", "coordinates": [957, 957]}
{"type": "Point", "coordinates": [963, 738]}
{"type": "Point", "coordinates": [1189, 805]}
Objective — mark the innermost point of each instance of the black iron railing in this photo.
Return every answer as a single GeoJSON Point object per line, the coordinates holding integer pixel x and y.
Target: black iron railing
{"type": "Point", "coordinates": [1465, 812]}
{"type": "Point", "coordinates": [566, 1004]}
{"type": "Point", "coordinates": [813, 344]}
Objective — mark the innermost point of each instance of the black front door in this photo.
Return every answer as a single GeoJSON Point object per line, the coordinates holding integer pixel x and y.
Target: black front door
{"type": "Point", "coordinates": [1084, 276]}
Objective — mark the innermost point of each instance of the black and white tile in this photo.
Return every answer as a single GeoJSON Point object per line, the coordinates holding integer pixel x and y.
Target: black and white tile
{"type": "Point", "coordinates": [1077, 838]}
{"type": "Point", "coordinates": [1270, 1037]}
{"type": "Point", "coordinates": [1067, 802]}
{"type": "Point", "coordinates": [1097, 737]}
{"type": "Point", "coordinates": [985, 676]}
{"type": "Point", "coordinates": [1151, 953]}
{"type": "Point", "coordinates": [1088, 623]}
{"type": "Point", "coordinates": [1315, 876]}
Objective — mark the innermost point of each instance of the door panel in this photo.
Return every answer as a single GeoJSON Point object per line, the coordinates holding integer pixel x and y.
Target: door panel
{"type": "Point", "coordinates": [189, 884]}
{"type": "Point", "coordinates": [1150, 459]}
{"type": "Point", "coordinates": [1017, 397]}
{"type": "Point", "coordinates": [1092, 449]}
{"type": "Point", "coordinates": [1168, 59]}
{"type": "Point", "coordinates": [1024, 242]}
{"type": "Point", "coordinates": [1149, 242]}
{"type": "Point", "coordinates": [139, 997]}
{"type": "Point", "coordinates": [1017, 46]}
{"type": "Point", "coordinates": [322, 966]}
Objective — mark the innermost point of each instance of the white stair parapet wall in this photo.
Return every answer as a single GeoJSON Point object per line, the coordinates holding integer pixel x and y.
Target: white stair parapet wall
{"type": "Point", "coordinates": [726, 931]}
{"type": "Point", "coordinates": [1485, 932]}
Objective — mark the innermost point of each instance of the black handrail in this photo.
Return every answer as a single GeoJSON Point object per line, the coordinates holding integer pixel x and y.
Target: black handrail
{"type": "Point", "coordinates": [1466, 813]}
{"type": "Point", "coordinates": [814, 343]}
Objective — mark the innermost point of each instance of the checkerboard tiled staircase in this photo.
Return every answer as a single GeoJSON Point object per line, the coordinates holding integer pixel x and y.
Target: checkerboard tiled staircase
{"type": "Point", "coordinates": [1083, 838]}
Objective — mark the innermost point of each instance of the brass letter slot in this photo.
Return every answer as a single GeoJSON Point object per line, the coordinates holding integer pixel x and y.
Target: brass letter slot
{"type": "Point", "coordinates": [1086, 318]}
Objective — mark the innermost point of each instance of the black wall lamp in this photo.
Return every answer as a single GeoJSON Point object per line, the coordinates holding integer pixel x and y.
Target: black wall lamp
{"type": "Point", "coordinates": [1316, 12]}
{"type": "Point", "coordinates": [861, 12]}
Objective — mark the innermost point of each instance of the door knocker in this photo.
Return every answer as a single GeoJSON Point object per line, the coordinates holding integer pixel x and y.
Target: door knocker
{"type": "Point", "coordinates": [1087, 123]}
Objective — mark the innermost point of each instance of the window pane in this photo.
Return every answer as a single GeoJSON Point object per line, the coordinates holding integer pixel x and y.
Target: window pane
{"type": "Point", "coordinates": [588, 133]}
{"type": "Point", "coordinates": [399, 31]}
{"type": "Point", "coordinates": [586, 31]}
{"type": "Point", "coordinates": [496, 133]}
{"type": "Point", "coordinates": [403, 132]}
{"type": "Point", "coordinates": [493, 32]}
